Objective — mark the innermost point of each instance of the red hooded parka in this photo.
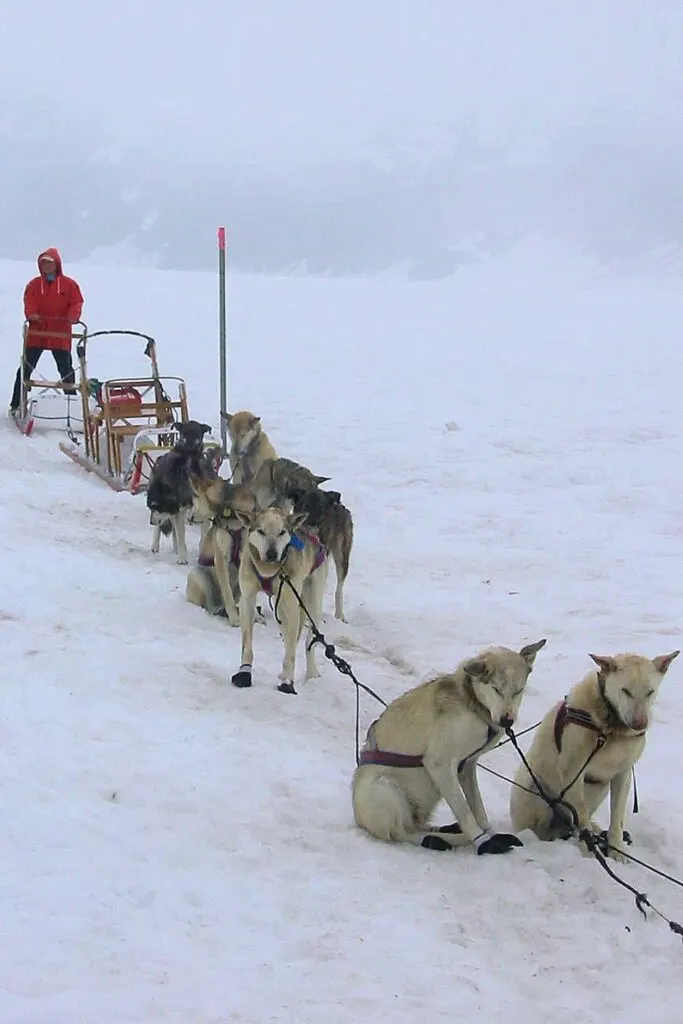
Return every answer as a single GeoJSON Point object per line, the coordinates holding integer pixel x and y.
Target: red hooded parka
{"type": "Point", "coordinates": [52, 306]}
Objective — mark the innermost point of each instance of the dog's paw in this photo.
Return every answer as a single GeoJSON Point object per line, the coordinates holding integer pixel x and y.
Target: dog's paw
{"type": "Point", "coordinates": [432, 842]}
{"type": "Point", "coordinates": [286, 686]}
{"type": "Point", "coordinates": [181, 561]}
{"type": "Point", "coordinates": [501, 842]}
{"type": "Point", "coordinates": [613, 850]}
{"type": "Point", "coordinates": [242, 679]}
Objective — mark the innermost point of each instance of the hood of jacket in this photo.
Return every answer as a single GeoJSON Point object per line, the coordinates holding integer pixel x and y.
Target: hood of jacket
{"type": "Point", "coordinates": [53, 254]}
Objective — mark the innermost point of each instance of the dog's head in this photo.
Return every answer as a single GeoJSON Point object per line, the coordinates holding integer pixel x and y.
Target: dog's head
{"type": "Point", "coordinates": [244, 428]}
{"type": "Point", "coordinates": [498, 677]}
{"type": "Point", "coordinates": [301, 479]}
{"type": "Point", "coordinates": [270, 532]}
{"type": "Point", "coordinates": [208, 496]}
{"type": "Point", "coordinates": [315, 503]}
{"type": "Point", "coordinates": [629, 684]}
{"type": "Point", "coordinates": [191, 436]}
{"type": "Point", "coordinates": [216, 498]}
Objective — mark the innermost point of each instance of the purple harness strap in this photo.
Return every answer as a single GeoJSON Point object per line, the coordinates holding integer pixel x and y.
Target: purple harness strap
{"type": "Point", "coordinates": [237, 536]}
{"type": "Point", "coordinates": [320, 552]}
{"type": "Point", "coordinates": [266, 581]}
{"type": "Point", "coordinates": [567, 714]}
{"type": "Point", "coordinates": [208, 561]}
{"type": "Point", "coordinates": [371, 754]}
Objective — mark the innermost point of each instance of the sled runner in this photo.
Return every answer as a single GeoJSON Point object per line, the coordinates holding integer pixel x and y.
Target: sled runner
{"type": "Point", "coordinates": [127, 422]}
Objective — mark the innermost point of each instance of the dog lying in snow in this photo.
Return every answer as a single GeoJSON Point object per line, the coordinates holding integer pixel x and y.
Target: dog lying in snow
{"type": "Point", "coordinates": [169, 494]}
{"type": "Point", "coordinates": [425, 747]}
{"type": "Point", "coordinates": [213, 583]}
{"type": "Point", "coordinates": [586, 747]}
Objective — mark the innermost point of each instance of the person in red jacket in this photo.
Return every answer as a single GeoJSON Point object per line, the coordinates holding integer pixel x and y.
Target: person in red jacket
{"type": "Point", "coordinates": [52, 303]}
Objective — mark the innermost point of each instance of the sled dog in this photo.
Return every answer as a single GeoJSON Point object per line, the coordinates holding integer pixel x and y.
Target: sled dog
{"type": "Point", "coordinates": [333, 523]}
{"type": "Point", "coordinates": [425, 747]}
{"type": "Point", "coordinates": [274, 543]}
{"type": "Point", "coordinates": [249, 445]}
{"type": "Point", "coordinates": [213, 582]}
{"type": "Point", "coordinates": [277, 479]}
{"type": "Point", "coordinates": [588, 745]}
{"type": "Point", "coordinates": [169, 494]}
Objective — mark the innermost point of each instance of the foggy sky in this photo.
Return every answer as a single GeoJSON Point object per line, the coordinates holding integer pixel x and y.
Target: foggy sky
{"type": "Point", "coordinates": [293, 80]}
{"type": "Point", "coordinates": [274, 85]}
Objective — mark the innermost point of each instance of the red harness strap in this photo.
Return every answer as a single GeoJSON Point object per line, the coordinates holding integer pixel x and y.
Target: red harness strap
{"type": "Point", "coordinates": [320, 552]}
{"type": "Point", "coordinates": [566, 715]}
{"type": "Point", "coordinates": [298, 542]}
{"type": "Point", "coordinates": [371, 754]}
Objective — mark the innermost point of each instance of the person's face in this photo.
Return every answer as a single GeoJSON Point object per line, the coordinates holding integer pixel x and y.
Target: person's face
{"type": "Point", "coordinates": [47, 266]}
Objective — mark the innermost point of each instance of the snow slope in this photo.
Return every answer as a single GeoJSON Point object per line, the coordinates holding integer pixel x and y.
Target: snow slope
{"type": "Point", "coordinates": [175, 850]}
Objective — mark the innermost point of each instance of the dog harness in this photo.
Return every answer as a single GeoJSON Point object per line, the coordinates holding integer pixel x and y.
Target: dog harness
{"type": "Point", "coordinates": [371, 754]}
{"type": "Point", "coordinates": [208, 561]}
{"type": "Point", "coordinates": [566, 714]}
{"type": "Point", "coordinates": [298, 544]}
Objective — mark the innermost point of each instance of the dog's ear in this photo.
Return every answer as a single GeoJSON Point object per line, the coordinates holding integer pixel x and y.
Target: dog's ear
{"type": "Point", "coordinates": [662, 661]}
{"type": "Point", "coordinates": [227, 416]}
{"type": "Point", "coordinates": [205, 428]}
{"type": "Point", "coordinates": [333, 497]}
{"type": "Point", "coordinates": [530, 651]}
{"type": "Point", "coordinates": [604, 663]}
{"type": "Point", "coordinates": [196, 482]}
{"type": "Point", "coordinates": [476, 667]}
{"type": "Point", "coordinates": [246, 518]}
{"type": "Point", "coordinates": [320, 479]}
{"type": "Point", "coordinates": [297, 520]}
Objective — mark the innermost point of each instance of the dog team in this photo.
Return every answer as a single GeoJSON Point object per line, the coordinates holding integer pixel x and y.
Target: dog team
{"type": "Point", "coordinates": [268, 523]}
{"type": "Point", "coordinates": [270, 530]}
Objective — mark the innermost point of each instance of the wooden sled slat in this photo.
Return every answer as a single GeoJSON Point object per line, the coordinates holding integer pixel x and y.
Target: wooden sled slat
{"type": "Point", "coordinates": [91, 467]}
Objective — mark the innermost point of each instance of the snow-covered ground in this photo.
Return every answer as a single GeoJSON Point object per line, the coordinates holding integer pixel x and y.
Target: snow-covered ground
{"type": "Point", "coordinates": [509, 442]}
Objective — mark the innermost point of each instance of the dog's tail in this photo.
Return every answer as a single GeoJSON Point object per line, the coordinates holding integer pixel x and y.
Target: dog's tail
{"type": "Point", "coordinates": [345, 548]}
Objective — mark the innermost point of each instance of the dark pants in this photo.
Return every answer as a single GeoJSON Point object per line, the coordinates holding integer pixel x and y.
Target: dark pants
{"type": "Point", "coordinates": [65, 368]}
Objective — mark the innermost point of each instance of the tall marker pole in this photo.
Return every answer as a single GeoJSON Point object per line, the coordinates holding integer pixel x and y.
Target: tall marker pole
{"type": "Point", "coordinates": [222, 337]}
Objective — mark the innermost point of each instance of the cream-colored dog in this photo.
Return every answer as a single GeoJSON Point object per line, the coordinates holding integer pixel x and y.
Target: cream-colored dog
{"type": "Point", "coordinates": [250, 446]}
{"type": "Point", "coordinates": [275, 544]}
{"type": "Point", "coordinates": [587, 746]}
{"type": "Point", "coordinates": [425, 747]}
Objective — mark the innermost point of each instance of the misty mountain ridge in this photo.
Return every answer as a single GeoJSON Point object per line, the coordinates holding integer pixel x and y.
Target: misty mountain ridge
{"type": "Point", "coordinates": [426, 204]}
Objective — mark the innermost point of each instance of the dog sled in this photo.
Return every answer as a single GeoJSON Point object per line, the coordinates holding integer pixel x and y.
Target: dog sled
{"type": "Point", "coordinates": [53, 403]}
{"type": "Point", "coordinates": [127, 422]}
